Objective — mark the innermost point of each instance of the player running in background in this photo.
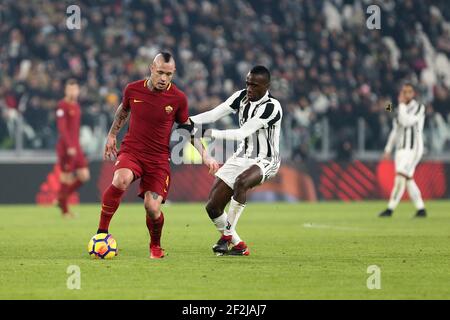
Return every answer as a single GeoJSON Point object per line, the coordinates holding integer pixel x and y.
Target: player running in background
{"type": "Point", "coordinates": [407, 136]}
{"type": "Point", "coordinates": [256, 159]}
{"type": "Point", "coordinates": [154, 104]}
{"type": "Point", "coordinates": [73, 164]}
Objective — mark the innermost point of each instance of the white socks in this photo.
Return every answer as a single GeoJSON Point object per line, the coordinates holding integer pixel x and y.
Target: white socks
{"type": "Point", "coordinates": [397, 192]}
{"type": "Point", "coordinates": [234, 212]}
{"type": "Point", "coordinates": [220, 223]}
{"type": "Point", "coordinates": [414, 194]}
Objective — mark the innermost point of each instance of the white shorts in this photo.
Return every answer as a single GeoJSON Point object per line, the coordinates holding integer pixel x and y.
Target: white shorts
{"type": "Point", "coordinates": [406, 161]}
{"type": "Point", "coordinates": [233, 167]}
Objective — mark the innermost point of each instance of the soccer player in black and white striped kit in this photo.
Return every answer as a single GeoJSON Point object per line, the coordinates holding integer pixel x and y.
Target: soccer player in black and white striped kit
{"type": "Point", "coordinates": [256, 160]}
{"type": "Point", "coordinates": [407, 137]}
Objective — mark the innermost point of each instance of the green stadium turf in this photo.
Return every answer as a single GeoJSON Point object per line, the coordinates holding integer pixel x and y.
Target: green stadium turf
{"type": "Point", "coordinates": [298, 251]}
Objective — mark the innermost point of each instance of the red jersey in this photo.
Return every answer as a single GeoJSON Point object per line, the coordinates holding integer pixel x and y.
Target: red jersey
{"type": "Point", "coordinates": [153, 114]}
{"type": "Point", "coordinates": [68, 117]}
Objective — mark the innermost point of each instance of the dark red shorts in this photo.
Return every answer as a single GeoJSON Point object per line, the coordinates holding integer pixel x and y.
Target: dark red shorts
{"type": "Point", "coordinates": [155, 176]}
{"type": "Point", "coordinates": [71, 163]}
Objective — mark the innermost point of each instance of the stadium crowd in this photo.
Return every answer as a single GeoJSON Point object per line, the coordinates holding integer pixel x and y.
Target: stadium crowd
{"type": "Point", "coordinates": [325, 62]}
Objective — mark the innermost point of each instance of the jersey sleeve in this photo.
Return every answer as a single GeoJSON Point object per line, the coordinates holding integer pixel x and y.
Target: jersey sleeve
{"type": "Point", "coordinates": [213, 115]}
{"type": "Point", "coordinates": [182, 114]}
{"type": "Point", "coordinates": [392, 137]}
{"type": "Point", "coordinates": [247, 129]}
{"type": "Point", "coordinates": [264, 118]}
{"type": "Point", "coordinates": [269, 114]}
{"type": "Point", "coordinates": [234, 101]}
{"type": "Point", "coordinates": [62, 118]}
{"type": "Point", "coordinates": [126, 98]}
{"type": "Point", "coordinates": [231, 105]}
{"type": "Point", "coordinates": [406, 119]}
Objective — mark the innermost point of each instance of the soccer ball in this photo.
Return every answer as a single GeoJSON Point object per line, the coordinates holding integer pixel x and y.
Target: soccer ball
{"type": "Point", "coordinates": [102, 246]}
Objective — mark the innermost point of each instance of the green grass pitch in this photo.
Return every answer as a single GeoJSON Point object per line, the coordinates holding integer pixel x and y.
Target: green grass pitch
{"type": "Point", "coordinates": [298, 251]}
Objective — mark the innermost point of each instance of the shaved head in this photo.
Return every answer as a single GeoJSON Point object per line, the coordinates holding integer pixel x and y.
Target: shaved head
{"type": "Point", "coordinates": [164, 57]}
{"type": "Point", "coordinates": [162, 71]}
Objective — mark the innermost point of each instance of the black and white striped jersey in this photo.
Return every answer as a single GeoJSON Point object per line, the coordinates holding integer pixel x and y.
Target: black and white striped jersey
{"type": "Point", "coordinates": [259, 121]}
{"type": "Point", "coordinates": [264, 143]}
{"type": "Point", "coordinates": [407, 130]}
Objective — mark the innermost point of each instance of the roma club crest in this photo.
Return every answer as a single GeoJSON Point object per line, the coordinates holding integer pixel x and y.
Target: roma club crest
{"type": "Point", "coordinates": [168, 109]}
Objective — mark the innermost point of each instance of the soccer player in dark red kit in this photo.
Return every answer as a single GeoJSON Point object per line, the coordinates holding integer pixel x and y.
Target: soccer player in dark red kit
{"type": "Point", "coordinates": [73, 164]}
{"type": "Point", "coordinates": [153, 105]}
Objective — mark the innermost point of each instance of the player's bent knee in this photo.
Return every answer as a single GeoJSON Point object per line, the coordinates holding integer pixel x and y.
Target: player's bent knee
{"type": "Point", "coordinates": [122, 179]}
{"type": "Point", "coordinates": [121, 183]}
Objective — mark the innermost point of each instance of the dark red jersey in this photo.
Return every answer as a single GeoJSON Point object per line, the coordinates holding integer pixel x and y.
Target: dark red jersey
{"type": "Point", "coordinates": [68, 117]}
{"type": "Point", "coordinates": [153, 114]}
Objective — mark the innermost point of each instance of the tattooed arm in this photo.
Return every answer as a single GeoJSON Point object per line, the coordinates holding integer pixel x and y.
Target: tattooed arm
{"type": "Point", "coordinates": [120, 118]}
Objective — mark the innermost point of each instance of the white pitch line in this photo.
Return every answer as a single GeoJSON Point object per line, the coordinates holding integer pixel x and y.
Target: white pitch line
{"type": "Point", "coordinates": [325, 226]}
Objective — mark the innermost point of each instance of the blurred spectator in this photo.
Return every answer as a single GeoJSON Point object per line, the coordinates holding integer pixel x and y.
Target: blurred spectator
{"type": "Point", "coordinates": [299, 117]}
{"type": "Point", "coordinates": [442, 100]}
{"type": "Point", "coordinates": [5, 140]}
{"type": "Point", "coordinates": [437, 131]}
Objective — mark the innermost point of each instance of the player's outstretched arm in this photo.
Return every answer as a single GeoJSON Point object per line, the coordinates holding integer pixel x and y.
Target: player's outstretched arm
{"type": "Point", "coordinates": [120, 118]}
{"type": "Point", "coordinates": [250, 127]}
{"type": "Point", "coordinates": [213, 115]}
{"type": "Point", "coordinates": [231, 105]}
{"type": "Point", "coordinates": [210, 162]}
